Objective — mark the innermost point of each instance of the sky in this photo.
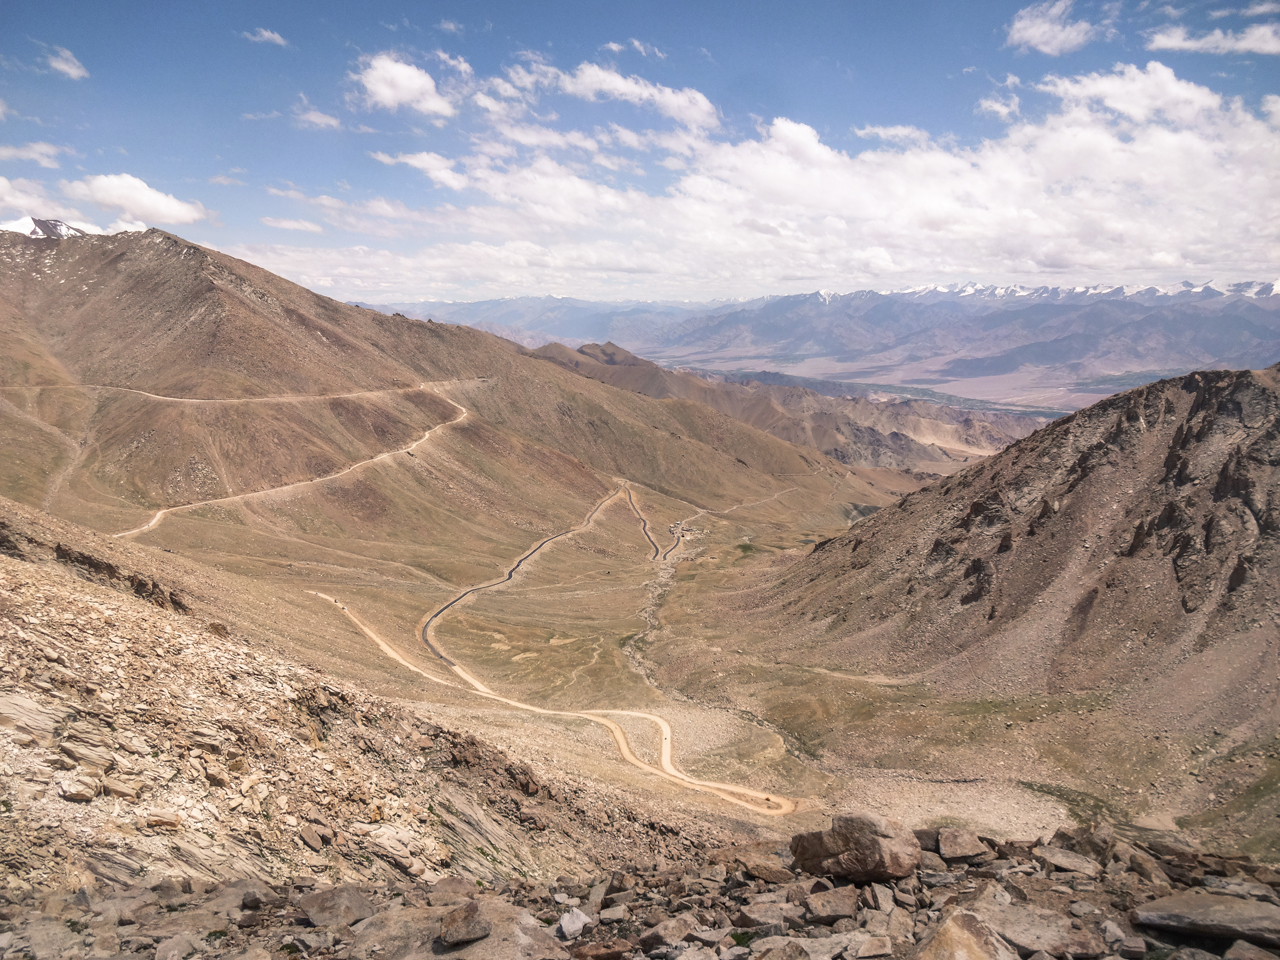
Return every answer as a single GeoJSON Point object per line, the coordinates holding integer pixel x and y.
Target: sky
{"type": "Point", "coordinates": [393, 151]}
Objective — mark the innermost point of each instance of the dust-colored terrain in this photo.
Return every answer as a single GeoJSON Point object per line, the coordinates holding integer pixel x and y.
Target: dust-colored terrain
{"type": "Point", "coordinates": [341, 485]}
{"type": "Point", "coordinates": [1092, 611]}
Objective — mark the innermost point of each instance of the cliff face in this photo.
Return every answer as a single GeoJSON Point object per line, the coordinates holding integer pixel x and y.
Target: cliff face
{"type": "Point", "coordinates": [1107, 548]}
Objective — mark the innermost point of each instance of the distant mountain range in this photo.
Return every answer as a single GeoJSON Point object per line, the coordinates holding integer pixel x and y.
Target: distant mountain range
{"type": "Point", "coordinates": [1042, 347]}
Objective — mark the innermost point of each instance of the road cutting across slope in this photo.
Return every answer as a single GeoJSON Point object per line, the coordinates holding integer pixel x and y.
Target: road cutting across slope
{"type": "Point", "coordinates": [161, 514]}
{"type": "Point", "coordinates": [756, 800]}
{"type": "Point", "coordinates": [742, 796]}
{"type": "Point", "coordinates": [281, 398]}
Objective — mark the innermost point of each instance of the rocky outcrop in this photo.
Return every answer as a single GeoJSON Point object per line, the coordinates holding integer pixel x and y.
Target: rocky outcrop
{"type": "Point", "coordinates": [1007, 900]}
{"type": "Point", "coordinates": [860, 846]}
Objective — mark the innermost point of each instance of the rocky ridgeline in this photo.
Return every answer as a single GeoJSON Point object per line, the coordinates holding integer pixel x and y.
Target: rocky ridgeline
{"type": "Point", "coordinates": [880, 890]}
{"type": "Point", "coordinates": [138, 741]}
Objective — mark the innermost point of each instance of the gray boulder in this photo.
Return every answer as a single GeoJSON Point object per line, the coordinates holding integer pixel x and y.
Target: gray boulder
{"type": "Point", "coordinates": [1213, 916]}
{"type": "Point", "coordinates": [861, 846]}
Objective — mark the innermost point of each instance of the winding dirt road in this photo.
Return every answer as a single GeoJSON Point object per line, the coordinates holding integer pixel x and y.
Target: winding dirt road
{"type": "Point", "coordinates": [755, 800]}
{"type": "Point", "coordinates": [161, 514]}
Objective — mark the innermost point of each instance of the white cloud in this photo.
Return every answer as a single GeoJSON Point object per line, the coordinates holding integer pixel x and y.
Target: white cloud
{"type": "Point", "coordinates": [5, 110]}
{"type": "Point", "coordinates": [1004, 108]}
{"type": "Point", "coordinates": [260, 116]}
{"type": "Point", "coordinates": [898, 134]}
{"type": "Point", "coordinates": [613, 47]}
{"type": "Point", "coordinates": [29, 198]}
{"type": "Point", "coordinates": [304, 225]}
{"type": "Point", "coordinates": [125, 225]}
{"type": "Point", "coordinates": [391, 83]}
{"type": "Point", "coordinates": [1045, 27]}
{"type": "Point", "coordinates": [645, 50]}
{"type": "Point", "coordinates": [45, 154]}
{"type": "Point", "coordinates": [65, 62]}
{"type": "Point", "coordinates": [1258, 38]}
{"type": "Point", "coordinates": [594, 82]}
{"type": "Point", "coordinates": [1219, 14]}
{"type": "Point", "coordinates": [1173, 13]}
{"type": "Point", "coordinates": [263, 35]}
{"type": "Point", "coordinates": [223, 180]}
{"type": "Point", "coordinates": [1261, 9]}
{"type": "Point", "coordinates": [438, 168]}
{"type": "Point", "coordinates": [308, 116]}
{"type": "Point", "coordinates": [1130, 175]}
{"type": "Point", "coordinates": [1271, 107]}
{"type": "Point", "coordinates": [449, 26]}
{"type": "Point", "coordinates": [134, 198]}
{"type": "Point", "coordinates": [457, 63]}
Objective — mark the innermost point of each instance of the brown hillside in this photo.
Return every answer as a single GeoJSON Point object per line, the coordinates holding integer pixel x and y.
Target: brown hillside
{"type": "Point", "coordinates": [912, 436]}
{"type": "Point", "coordinates": [1094, 610]}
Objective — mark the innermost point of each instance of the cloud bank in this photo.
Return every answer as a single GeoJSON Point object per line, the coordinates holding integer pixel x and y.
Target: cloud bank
{"type": "Point", "coordinates": [1132, 175]}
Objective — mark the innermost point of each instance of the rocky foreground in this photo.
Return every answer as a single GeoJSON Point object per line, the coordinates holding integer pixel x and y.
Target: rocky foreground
{"type": "Point", "coordinates": [865, 888]}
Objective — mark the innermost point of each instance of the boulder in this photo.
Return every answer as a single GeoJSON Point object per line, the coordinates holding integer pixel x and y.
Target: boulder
{"type": "Point", "coordinates": [956, 843]}
{"type": "Point", "coordinates": [831, 905]}
{"type": "Point", "coordinates": [666, 934]}
{"type": "Point", "coordinates": [1061, 859]}
{"type": "Point", "coordinates": [964, 936]}
{"type": "Point", "coordinates": [464, 924]}
{"type": "Point", "coordinates": [394, 934]}
{"type": "Point", "coordinates": [1032, 929]}
{"type": "Point", "coordinates": [759, 915]}
{"type": "Point", "coordinates": [572, 924]}
{"type": "Point", "coordinates": [768, 869]}
{"type": "Point", "coordinates": [861, 846]}
{"type": "Point", "coordinates": [346, 904]}
{"type": "Point", "coordinates": [1213, 916]}
{"type": "Point", "coordinates": [515, 935]}
{"type": "Point", "coordinates": [1243, 950]}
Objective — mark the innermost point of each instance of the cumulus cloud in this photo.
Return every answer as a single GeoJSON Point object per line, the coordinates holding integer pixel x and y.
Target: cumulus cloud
{"type": "Point", "coordinates": [305, 115]}
{"type": "Point", "coordinates": [45, 154]}
{"type": "Point", "coordinates": [1006, 108]}
{"type": "Point", "coordinates": [65, 62]}
{"type": "Point", "coordinates": [134, 199]}
{"type": "Point", "coordinates": [897, 134]}
{"type": "Point", "coordinates": [590, 81]}
{"type": "Point", "coordinates": [1130, 175]}
{"type": "Point", "coordinates": [1046, 27]}
{"type": "Point", "coordinates": [1261, 9]}
{"type": "Point", "coordinates": [390, 83]}
{"type": "Point", "coordinates": [449, 26]}
{"type": "Point", "coordinates": [263, 35]}
{"type": "Point", "coordinates": [223, 180]}
{"type": "Point", "coordinates": [29, 198]}
{"type": "Point", "coordinates": [1258, 38]}
{"type": "Point", "coordinates": [613, 47]}
{"type": "Point", "coordinates": [438, 168]}
{"type": "Point", "coordinates": [304, 225]}
{"type": "Point", "coordinates": [457, 63]}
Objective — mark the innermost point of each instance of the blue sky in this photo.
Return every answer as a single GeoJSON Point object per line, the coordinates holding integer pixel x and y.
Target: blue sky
{"type": "Point", "coordinates": [463, 151]}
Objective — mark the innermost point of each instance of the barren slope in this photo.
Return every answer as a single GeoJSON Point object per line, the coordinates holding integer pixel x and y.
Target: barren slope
{"type": "Point", "coordinates": [859, 433]}
{"type": "Point", "coordinates": [1093, 608]}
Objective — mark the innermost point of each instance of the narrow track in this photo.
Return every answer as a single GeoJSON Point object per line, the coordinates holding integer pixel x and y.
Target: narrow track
{"type": "Point", "coordinates": [282, 398]}
{"type": "Point", "coordinates": [644, 524]}
{"type": "Point", "coordinates": [755, 800]}
{"type": "Point", "coordinates": [161, 514]}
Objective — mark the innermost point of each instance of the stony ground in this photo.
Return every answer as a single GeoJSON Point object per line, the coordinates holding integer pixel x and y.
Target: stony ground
{"type": "Point", "coordinates": [880, 890]}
